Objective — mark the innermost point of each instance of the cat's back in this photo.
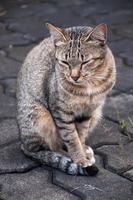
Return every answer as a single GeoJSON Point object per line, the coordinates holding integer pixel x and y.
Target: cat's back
{"type": "Point", "coordinates": [39, 56]}
{"type": "Point", "coordinates": [35, 69]}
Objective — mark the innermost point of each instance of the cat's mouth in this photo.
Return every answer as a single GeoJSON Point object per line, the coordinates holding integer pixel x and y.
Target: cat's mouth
{"type": "Point", "coordinates": [76, 81]}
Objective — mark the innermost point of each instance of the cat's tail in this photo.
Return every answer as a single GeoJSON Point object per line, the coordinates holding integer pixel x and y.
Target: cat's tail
{"type": "Point", "coordinates": [60, 162]}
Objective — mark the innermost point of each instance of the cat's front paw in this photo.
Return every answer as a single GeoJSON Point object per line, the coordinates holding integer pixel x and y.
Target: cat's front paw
{"type": "Point", "coordinates": [90, 154]}
{"type": "Point", "coordinates": [82, 161]}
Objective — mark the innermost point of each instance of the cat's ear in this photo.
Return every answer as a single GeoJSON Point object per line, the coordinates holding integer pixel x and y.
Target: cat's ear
{"type": "Point", "coordinates": [98, 33]}
{"type": "Point", "coordinates": [57, 34]}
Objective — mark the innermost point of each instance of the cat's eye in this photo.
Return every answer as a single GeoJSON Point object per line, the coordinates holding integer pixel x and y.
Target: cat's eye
{"type": "Point", "coordinates": [64, 62]}
{"type": "Point", "coordinates": [87, 62]}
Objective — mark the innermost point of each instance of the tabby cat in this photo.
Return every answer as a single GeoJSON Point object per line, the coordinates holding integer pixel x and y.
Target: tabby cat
{"type": "Point", "coordinates": [61, 90]}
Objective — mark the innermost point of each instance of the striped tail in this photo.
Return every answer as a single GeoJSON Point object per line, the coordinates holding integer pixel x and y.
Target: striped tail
{"type": "Point", "coordinates": [60, 162]}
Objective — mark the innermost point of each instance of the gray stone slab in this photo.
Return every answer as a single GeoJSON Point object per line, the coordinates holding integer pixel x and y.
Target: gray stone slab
{"type": "Point", "coordinates": [8, 67]}
{"type": "Point", "coordinates": [36, 184]}
{"type": "Point", "coordinates": [34, 25]}
{"type": "Point", "coordinates": [12, 159]}
{"type": "Point", "coordinates": [124, 78]}
{"type": "Point", "coordinates": [3, 52]}
{"type": "Point", "coordinates": [7, 106]}
{"type": "Point", "coordinates": [112, 36]}
{"type": "Point", "coordinates": [9, 39]}
{"type": "Point", "coordinates": [128, 58]}
{"type": "Point", "coordinates": [129, 129]}
{"type": "Point", "coordinates": [69, 3]}
{"type": "Point", "coordinates": [106, 132]}
{"type": "Point", "coordinates": [121, 46]}
{"type": "Point", "coordinates": [3, 30]}
{"type": "Point", "coordinates": [123, 75]}
{"type": "Point", "coordinates": [113, 92]}
{"type": "Point", "coordinates": [119, 158]}
{"type": "Point", "coordinates": [26, 10]}
{"type": "Point", "coordinates": [1, 89]}
{"type": "Point", "coordinates": [119, 107]}
{"type": "Point", "coordinates": [129, 174]}
{"type": "Point", "coordinates": [118, 17]}
{"type": "Point", "coordinates": [19, 53]}
{"type": "Point", "coordinates": [105, 186]}
{"type": "Point", "coordinates": [9, 86]}
{"type": "Point", "coordinates": [124, 30]}
{"type": "Point", "coordinates": [96, 8]}
{"type": "Point", "coordinates": [30, 25]}
{"type": "Point", "coordinates": [65, 18]}
{"type": "Point", "coordinates": [8, 131]}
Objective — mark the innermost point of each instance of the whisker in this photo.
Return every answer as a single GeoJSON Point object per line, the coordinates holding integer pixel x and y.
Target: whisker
{"type": "Point", "coordinates": [97, 78]}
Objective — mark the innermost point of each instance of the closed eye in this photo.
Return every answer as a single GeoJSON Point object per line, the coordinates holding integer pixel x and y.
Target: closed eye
{"type": "Point", "coordinates": [63, 62]}
{"type": "Point", "coordinates": [87, 62]}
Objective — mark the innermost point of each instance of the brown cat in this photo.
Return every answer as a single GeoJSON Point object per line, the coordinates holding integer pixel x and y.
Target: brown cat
{"type": "Point", "coordinates": [61, 90]}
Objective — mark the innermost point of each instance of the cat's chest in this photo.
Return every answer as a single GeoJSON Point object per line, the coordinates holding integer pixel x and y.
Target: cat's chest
{"type": "Point", "coordinates": [80, 104]}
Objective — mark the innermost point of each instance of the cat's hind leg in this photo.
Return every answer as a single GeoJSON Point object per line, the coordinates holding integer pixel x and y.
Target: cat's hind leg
{"type": "Point", "coordinates": [40, 130]}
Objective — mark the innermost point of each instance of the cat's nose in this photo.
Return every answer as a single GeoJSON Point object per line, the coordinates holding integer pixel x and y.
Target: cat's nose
{"type": "Point", "coordinates": [75, 74]}
{"type": "Point", "coordinates": [75, 78]}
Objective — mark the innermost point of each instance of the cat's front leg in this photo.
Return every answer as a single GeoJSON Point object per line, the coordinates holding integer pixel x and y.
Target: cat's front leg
{"type": "Point", "coordinates": [84, 128]}
{"type": "Point", "coordinates": [69, 135]}
{"type": "Point", "coordinates": [83, 131]}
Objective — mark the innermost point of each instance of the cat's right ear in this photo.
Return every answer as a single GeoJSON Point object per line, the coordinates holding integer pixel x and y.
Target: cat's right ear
{"type": "Point", "coordinates": [57, 34]}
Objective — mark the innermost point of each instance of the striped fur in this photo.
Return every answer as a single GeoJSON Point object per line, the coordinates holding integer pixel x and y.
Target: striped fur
{"type": "Point", "coordinates": [61, 90]}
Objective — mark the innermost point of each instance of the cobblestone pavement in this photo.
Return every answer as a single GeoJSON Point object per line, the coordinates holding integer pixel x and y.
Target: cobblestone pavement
{"type": "Point", "coordinates": [21, 28]}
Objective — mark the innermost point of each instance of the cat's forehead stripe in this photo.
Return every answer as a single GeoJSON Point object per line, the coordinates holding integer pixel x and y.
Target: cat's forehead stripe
{"type": "Point", "coordinates": [74, 44]}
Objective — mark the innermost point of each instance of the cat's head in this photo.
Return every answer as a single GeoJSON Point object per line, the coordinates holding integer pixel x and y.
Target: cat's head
{"type": "Point", "coordinates": [79, 51]}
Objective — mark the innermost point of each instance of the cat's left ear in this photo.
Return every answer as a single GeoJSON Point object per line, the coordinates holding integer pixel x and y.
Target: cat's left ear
{"type": "Point", "coordinates": [57, 34]}
{"type": "Point", "coordinates": [98, 33]}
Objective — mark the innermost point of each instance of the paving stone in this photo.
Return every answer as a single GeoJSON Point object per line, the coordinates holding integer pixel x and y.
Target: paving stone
{"type": "Point", "coordinates": [19, 53]}
{"type": "Point", "coordinates": [129, 174]}
{"type": "Point", "coordinates": [69, 18]}
{"type": "Point", "coordinates": [118, 17]}
{"type": "Point", "coordinates": [119, 107]}
{"type": "Point", "coordinates": [12, 159]}
{"type": "Point", "coordinates": [9, 86]}
{"type": "Point", "coordinates": [106, 132]}
{"type": "Point", "coordinates": [8, 67]}
{"type": "Point", "coordinates": [121, 46]}
{"type": "Point", "coordinates": [113, 92]}
{"type": "Point", "coordinates": [105, 186]}
{"type": "Point", "coordinates": [127, 57]}
{"type": "Point", "coordinates": [118, 157]}
{"type": "Point", "coordinates": [111, 36]}
{"type": "Point", "coordinates": [67, 3]}
{"type": "Point", "coordinates": [124, 76]}
{"type": "Point", "coordinates": [96, 8]}
{"type": "Point", "coordinates": [124, 30]}
{"type": "Point", "coordinates": [99, 161]}
{"type": "Point", "coordinates": [49, 8]}
{"type": "Point", "coordinates": [12, 39]}
{"type": "Point", "coordinates": [130, 91]}
{"type": "Point", "coordinates": [3, 53]}
{"type": "Point", "coordinates": [129, 129]}
{"type": "Point", "coordinates": [8, 131]}
{"type": "Point", "coordinates": [7, 106]}
{"type": "Point", "coordinates": [3, 30]}
{"type": "Point", "coordinates": [24, 11]}
{"type": "Point", "coordinates": [1, 89]}
{"type": "Point", "coordinates": [32, 185]}
{"type": "Point", "coordinates": [30, 25]}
